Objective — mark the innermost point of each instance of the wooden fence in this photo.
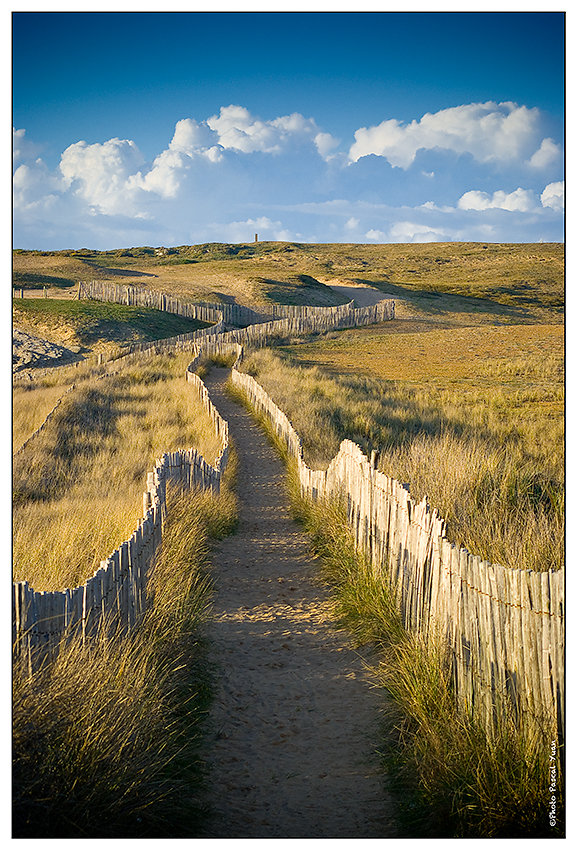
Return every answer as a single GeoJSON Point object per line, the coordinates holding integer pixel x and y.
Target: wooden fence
{"type": "Point", "coordinates": [231, 314]}
{"type": "Point", "coordinates": [296, 322]}
{"type": "Point", "coordinates": [504, 627]}
{"type": "Point", "coordinates": [115, 594]}
{"type": "Point", "coordinates": [114, 597]}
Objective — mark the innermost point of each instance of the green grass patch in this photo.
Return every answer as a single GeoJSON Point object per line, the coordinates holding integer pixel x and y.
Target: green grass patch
{"type": "Point", "coordinates": [93, 320]}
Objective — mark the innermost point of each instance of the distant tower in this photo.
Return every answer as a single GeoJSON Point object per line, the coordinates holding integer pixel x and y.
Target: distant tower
{"type": "Point", "coordinates": [256, 237]}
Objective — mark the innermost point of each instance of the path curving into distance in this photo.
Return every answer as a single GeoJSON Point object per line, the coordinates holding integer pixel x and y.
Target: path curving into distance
{"type": "Point", "coordinates": [362, 295]}
{"type": "Point", "coordinates": [294, 720]}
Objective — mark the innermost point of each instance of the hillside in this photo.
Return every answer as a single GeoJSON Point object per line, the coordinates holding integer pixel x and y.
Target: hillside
{"type": "Point", "coordinates": [44, 325]}
{"type": "Point", "coordinates": [527, 277]}
{"type": "Point", "coordinates": [460, 397]}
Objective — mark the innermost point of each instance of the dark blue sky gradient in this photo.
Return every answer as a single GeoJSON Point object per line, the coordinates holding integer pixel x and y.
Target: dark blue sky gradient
{"type": "Point", "coordinates": [93, 76]}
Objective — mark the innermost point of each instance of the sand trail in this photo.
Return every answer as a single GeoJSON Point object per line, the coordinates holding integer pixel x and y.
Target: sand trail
{"type": "Point", "coordinates": [294, 722]}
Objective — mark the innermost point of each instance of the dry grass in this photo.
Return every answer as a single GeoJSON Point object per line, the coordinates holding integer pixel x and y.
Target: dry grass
{"type": "Point", "coordinates": [522, 280]}
{"type": "Point", "coordinates": [422, 352]}
{"type": "Point", "coordinates": [450, 777]}
{"type": "Point", "coordinates": [489, 456]}
{"type": "Point", "coordinates": [30, 409]}
{"type": "Point", "coordinates": [106, 740]}
{"type": "Point", "coordinates": [36, 393]}
{"type": "Point", "coordinates": [78, 485]}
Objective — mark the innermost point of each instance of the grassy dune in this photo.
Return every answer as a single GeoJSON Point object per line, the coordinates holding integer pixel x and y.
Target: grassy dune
{"type": "Point", "coordinates": [462, 395]}
{"type": "Point", "coordinates": [519, 276]}
{"type": "Point", "coordinates": [250, 274]}
{"type": "Point", "coordinates": [78, 485]}
{"type": "Point", "coordinates": [95, 326]}
{"type": "Point", "coordinates": [473, 419]}
{"type": "Point", "coordinates": [106, 740]}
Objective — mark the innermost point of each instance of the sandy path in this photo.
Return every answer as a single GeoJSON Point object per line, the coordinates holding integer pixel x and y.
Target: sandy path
{"type": "Point", "coordinates": [294, 720]}
{"type": "Point", "coordinates": [364, 296]}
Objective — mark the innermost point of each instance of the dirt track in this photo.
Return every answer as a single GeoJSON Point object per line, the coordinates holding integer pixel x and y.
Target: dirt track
{"type": "Point", "coordinates": [294, 721]}
{"type": "Point", "coordinates": [364, 296]}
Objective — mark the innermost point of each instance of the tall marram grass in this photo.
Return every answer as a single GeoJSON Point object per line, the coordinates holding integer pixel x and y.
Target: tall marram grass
{"type": "Point", "coordinates": [450, 777]}
{"type": "Point", "coordinates": [490, 461]}
{"type": "Point", "coordinates": [106, 739]}
{"type": "Point", "coordinates": [78, 485]}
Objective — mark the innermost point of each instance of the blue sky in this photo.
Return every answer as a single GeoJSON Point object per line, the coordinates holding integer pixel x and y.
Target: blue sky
{"type": "Point", "coordinates": [147, 129]}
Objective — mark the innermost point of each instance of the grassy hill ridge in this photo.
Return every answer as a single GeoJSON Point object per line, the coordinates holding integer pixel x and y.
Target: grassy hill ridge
{"type": "Point", "coordinates": [94, 326]}
{"type": "Point", "coordinates": [525, 274]}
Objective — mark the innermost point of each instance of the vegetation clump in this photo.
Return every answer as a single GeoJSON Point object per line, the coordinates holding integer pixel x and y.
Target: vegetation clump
{"type": "Point", "coordinates": [496, 479]}
{"type": "Point", "coordinates": [452, 777]}
{"type": "Point", "coordinates": [78, 485]}
{"type": "Point", "coordinates": [107, 738]}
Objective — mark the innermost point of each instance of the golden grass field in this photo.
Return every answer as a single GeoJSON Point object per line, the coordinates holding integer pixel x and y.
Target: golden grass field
{"type": "Point", "coordinates": [476, 350]}
{"type": "Point", "coordinates": [419, 352]}
{"type": "Point", "coordinates": [463, 397]}
{"type": "Point", "coordinates": [78, 485]}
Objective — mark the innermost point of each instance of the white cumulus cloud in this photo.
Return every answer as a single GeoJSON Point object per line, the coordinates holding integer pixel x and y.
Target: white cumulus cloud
{"type": "Point", "coordinates": [237, 129]}
{"type": "Point", "coordinates": [521, 200]}
{"type": "Point", "coordinates": [548, 153]}
{"type": "Point", "coordinates": [35, 187]}
{"type": "Point", "coordinates": [376, 235]}
{"type": "Point", "coordinates": [489, 131]}
{"type": "Point", "coordinates": [190, 136]}
{"type": "Point", "coordinates": [326, 144]}
{"type": "Point", "coordinates": [165, 177]}
{"type": "Point", "coordinates": [408, 231]}
{"type": "Point", "coordinates": [553, 196]}
{"type": "Point", "coordinates": [100, 173]}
